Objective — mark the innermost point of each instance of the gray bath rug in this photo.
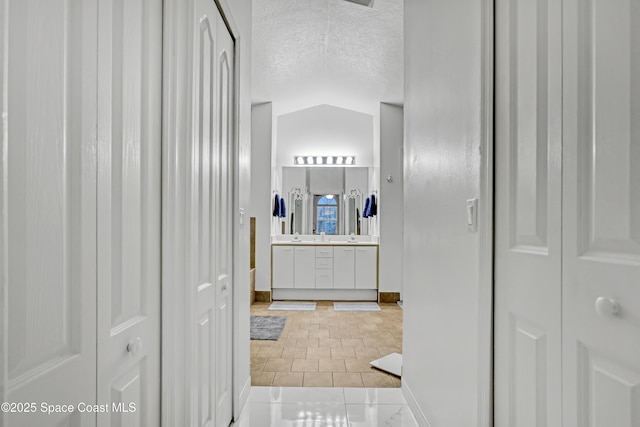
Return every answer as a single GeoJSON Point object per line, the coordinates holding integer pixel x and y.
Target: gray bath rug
{"type": "Point", "coordinates": [266, 327]}
{"type": "Point", "coordinates": [293, 306]}
{"type": "Point", "coordinates": [355, 306]}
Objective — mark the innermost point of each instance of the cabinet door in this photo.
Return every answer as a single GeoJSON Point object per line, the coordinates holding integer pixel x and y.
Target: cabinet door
{"type": "Point", "coordinates": [282, 270]}
{"type": "Point", "coordinates": [344, 268]}
{"type": "Point", "coordinates": [366, 267]}
{"type": "Point", "coordinates": [324, 278]}
{"type": "Point", "coordinates": [305, 268]}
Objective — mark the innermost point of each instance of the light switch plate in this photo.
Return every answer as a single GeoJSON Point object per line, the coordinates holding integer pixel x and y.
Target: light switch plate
{"type": "Point", "coordinates": [472, 215]}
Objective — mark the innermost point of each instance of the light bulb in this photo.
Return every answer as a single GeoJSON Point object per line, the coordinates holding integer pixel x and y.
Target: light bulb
{"type": "Point", "coordinates": [300, 160]}
{"type": "Point", "coordinates": [319, 160]}
{"type": "Point", "coordinates": [349, 160]}
{"type": "Point", "coordinates": [309, 160]}
{"type": "Point", "coordinates": [339, 160]}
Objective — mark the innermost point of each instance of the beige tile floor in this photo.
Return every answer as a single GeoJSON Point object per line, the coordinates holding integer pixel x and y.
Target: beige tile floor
{"type": "Point", "coordinates": [324, 348]}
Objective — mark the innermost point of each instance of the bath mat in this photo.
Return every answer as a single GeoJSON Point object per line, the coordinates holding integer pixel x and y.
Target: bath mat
{"type": "Point", "coordinates": [266, 327]}
{"type": "Point", "coordinates": [355, 306]}
{"type": "Point", "coordinates": [391, 363]}
{"type": "Point", "coordinates": [293, 306]}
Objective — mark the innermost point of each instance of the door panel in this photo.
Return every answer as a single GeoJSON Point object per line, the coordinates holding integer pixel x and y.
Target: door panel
{"type": "Point", "coordinates": [366, 268]}
{"type": "Point", "coordinates": [129, 211]}
{"type": "Point", "coordinates": [527, 214]}
{"type": "Point", "coordinates": [225, 203]}
{"type": "Point", "coordinates": [601, 347]}
{"type": "Point", "coordinates": [50, 181]}
{"type": "Point", "coordinates": [344, 268]}
{"type": "Point", "coordinates": [204, 236]}
{"type": "Point", "coordinates": [212, 207]}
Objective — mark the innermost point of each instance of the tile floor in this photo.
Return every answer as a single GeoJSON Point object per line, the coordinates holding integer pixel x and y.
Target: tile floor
{"type": "Point", "coordinates": [324, 348]}
{"type": "Point", "coordinates": [325, 407]}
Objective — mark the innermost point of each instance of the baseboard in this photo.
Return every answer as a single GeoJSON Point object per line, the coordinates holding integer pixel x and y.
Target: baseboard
{"type": "Point", "coordinates": [242, 400]}
{"type": "Point", "coordinates": [263, 296]}
{"type": "Point", "coordinates": [388, 297]}
{"type": "Point", "coordinates": [413, 405]}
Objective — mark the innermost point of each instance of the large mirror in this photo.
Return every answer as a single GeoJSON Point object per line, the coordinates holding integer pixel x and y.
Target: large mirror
{"type": "Point", "coordinates": [325, 199]}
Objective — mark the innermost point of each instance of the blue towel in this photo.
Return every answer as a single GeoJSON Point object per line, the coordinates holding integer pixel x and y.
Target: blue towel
{"type": "Point", "coordinates": [374, 206]}
{"type": "Point", "coordinates": [276, 206]}
{"type": "Point", "coordinates": [367, 208]}
{"type": "Point", "coordinates": [283, 209]}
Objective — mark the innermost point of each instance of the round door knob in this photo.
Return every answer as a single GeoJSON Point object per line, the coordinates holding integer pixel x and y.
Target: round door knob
{"type": "Point", "coordinates": [135, 346]}
{"type": "Point", "coordinates": [607, 307]}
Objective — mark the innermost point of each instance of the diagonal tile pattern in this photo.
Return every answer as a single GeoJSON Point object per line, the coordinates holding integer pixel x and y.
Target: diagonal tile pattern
{"type": "Point", "coordinates": [325, 348]}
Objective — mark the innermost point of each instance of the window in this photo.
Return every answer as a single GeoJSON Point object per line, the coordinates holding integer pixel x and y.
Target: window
{"type": "Point", "coordinates": [326, 214]}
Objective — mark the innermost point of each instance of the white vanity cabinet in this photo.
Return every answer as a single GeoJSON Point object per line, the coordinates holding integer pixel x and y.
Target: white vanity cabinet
{"type": "Point", "coordinates": [304, 269]}
{"type": "Point", "coordinates": [329, 269]}
{"type": "Point", "coordinates": [282, 267]}
{"type": "Point", "coordinates": [366, 267]}
{"type": "Point", "coordinates": [344, 267]}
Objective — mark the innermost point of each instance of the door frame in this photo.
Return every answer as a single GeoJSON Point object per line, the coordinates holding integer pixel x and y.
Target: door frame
{"type": "Point", "coordinates": [486, 219]}
{"type": "Point", "coordinates": [177, 77]}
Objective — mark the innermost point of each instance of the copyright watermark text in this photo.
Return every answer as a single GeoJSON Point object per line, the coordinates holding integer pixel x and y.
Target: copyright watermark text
{"type": "Point", "coordinates": [51, 408]}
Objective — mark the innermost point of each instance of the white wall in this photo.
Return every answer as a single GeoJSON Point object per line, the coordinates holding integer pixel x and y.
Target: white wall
{"type": "Point", "coordinates": [390, 199]}
{"type": "Point", "coordinates": [261, 194]}
{"type": "Point", "coordinates": [443, 133]}
{"type": "Point", "coordinates": [325, 130]}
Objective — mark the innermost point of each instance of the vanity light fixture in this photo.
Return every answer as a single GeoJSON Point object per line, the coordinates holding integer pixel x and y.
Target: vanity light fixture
{"type": "Point", "coordinates": [324, 160]}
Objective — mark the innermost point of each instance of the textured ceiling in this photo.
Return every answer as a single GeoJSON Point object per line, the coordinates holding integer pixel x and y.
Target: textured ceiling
{"type": "Point", "coordinates": [310, 52]}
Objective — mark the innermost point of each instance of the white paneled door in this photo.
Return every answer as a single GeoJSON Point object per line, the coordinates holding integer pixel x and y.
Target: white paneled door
{"type": "Point", "coordinates": [601, 213]}
{"type": "Point", "coordinates": [49, 192]}
{"type": "Point", "coordinates": [528, 214]}
{"type": "Point", "coordinates": [211, 219]}
{"type": "Point", "coordinates": [129, 154]}
{"type": "Point", "coordinates": [567, 261]}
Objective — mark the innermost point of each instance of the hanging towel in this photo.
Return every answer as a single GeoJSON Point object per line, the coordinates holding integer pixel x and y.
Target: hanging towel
{"type": "Point", "coordinates": [374, 206]}
{"type": "Point", "coordinates": [283, 209]}
{"type": "Point", "coordinates": [276, 206]}
{"type": "Point", "coordinates": [367, 206]}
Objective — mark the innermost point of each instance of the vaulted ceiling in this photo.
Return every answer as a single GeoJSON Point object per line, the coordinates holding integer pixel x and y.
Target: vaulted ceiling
{"type": "Point", "coordinates": [310, 52]}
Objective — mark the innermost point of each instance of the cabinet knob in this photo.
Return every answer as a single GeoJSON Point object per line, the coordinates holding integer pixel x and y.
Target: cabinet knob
{"type": "Point", "coordinates": [135, 346]}
{"type": "Point", "coordinates": [607, 307]}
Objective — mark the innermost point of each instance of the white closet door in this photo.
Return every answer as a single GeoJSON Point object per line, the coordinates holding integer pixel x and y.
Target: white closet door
{"type": "Point", "coordinates": [211, 219]}
{"type": "Point", "coordinates": [224, 202]}
{"type": "Point", "coordinates": [50, 182]}
{"type": "Point", "coordinates": [129, 81]}
{"type": "Point", "coordinates": [601, 177]}
{"type": "Point", "coordinates": [528, 214]}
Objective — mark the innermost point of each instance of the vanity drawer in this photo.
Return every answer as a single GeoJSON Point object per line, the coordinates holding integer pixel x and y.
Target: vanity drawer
{"type": "Point", "coordinates": [323, 263]}
{"type": "Point", "coordinates": [324, 279]}
{"type": "Point", "coordinates": [324, 251]}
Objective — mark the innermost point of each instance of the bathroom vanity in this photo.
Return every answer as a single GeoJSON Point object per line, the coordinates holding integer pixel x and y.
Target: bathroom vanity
{"type": "Point", "coordinates": [324, 270]}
